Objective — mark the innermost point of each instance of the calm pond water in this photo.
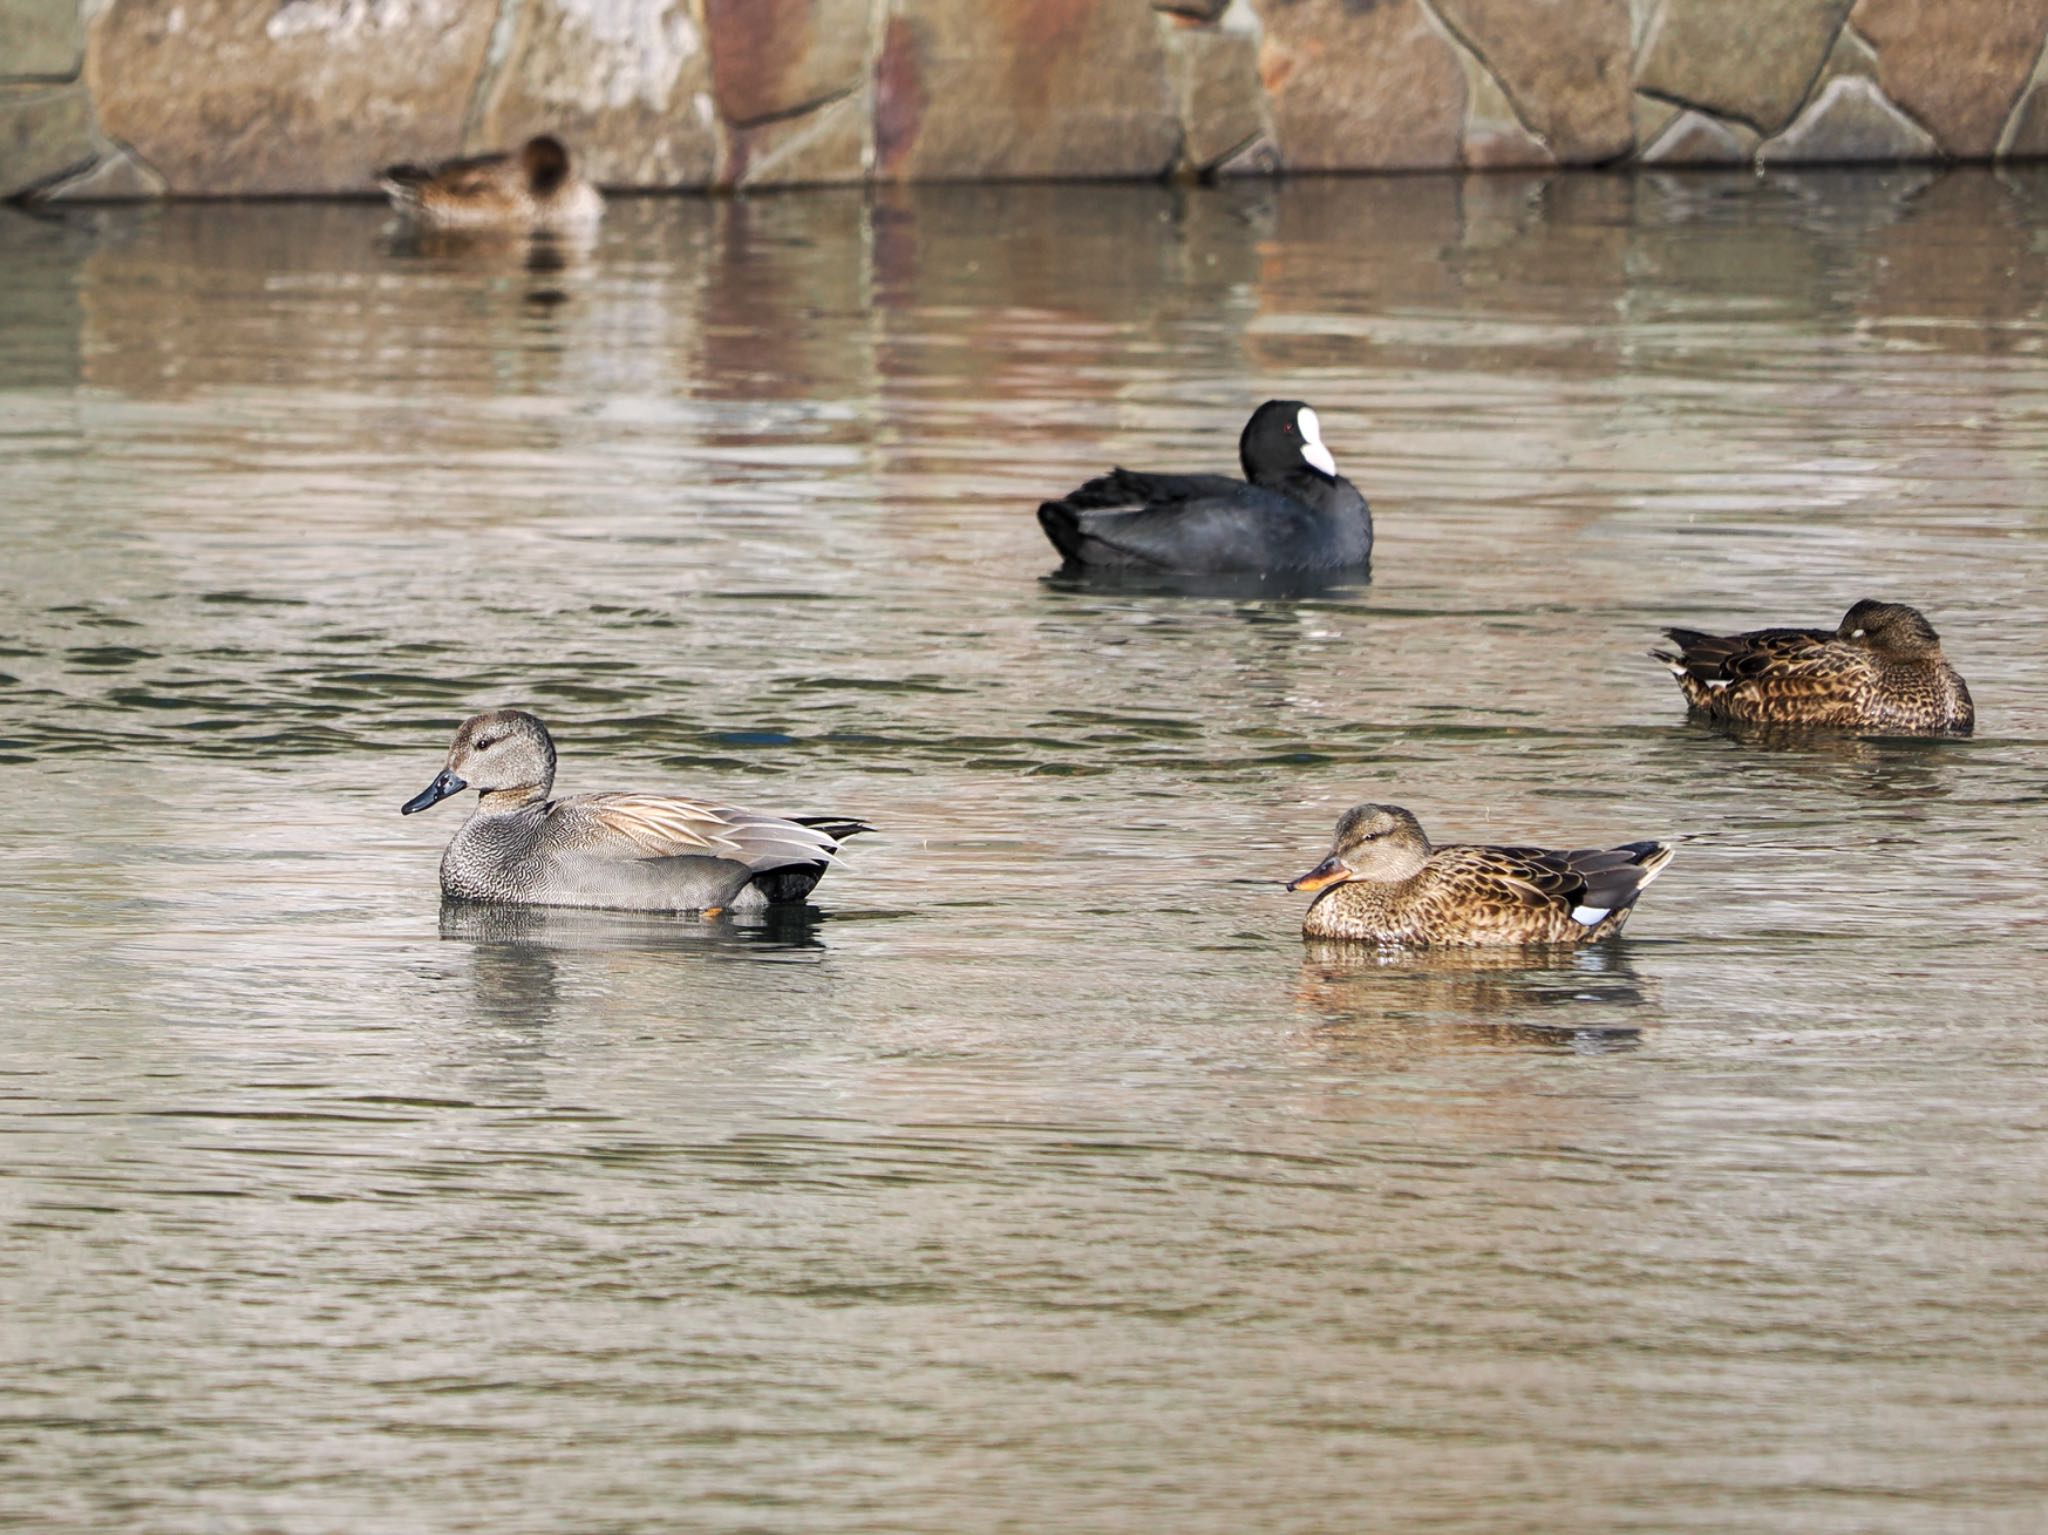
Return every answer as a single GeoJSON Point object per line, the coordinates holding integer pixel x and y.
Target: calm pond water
{"type": "Point", "coordinates": [1043, 1180]}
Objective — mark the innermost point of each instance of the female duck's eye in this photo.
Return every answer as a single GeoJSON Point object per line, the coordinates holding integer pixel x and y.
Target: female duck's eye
{"type": "Point", "coordinates": [486, 744]}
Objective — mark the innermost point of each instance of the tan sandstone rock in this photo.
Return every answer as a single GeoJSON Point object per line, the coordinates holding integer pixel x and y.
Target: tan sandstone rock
{"type": "Point", "coordinates": [1849, 121]}
{"type": "Point", "coordinates": [1955, 65]}
{"type": "Point", "coordinates": [309, 96]}
{"type": "Point", "coordinates": [1217, 91]}
{"type": "Point", "coordinates": [1563, 63]}
{"type": "Point", "coordinates": [625, 83]}
{"type": "Point", "coordinates": [774, 58]}
{"type": "Point", "coordinates": [1752, 59]}
{"type": "Point", "coordinates": [1361, 87]}
{"type": "Point", "coordinates": [1494, 136]}
{"type": "Point", "coordinates": [1014, 88]}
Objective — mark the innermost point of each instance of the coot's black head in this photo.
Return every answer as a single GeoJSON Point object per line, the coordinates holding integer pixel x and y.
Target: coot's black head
{"type": "Point", "coordinates": [1283, 435]}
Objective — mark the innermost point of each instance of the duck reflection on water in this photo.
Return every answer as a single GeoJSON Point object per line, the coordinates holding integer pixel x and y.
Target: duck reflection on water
{"type": "Point", "coordinates": [788, 929]}
{"type": "Point", "coordinates": [1576, 999]}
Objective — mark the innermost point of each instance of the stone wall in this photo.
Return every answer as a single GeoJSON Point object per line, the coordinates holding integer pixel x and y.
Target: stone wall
{"type": "Point", "coordinates": [137, 98]}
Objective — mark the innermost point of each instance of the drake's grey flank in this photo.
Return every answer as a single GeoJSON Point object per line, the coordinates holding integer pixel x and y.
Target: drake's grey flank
{"type": "Point", "coordinates": [1881, 668]}
{"type": "Point", "coordinates": [1292, 513]}
{"type": "Point", "coordinates": [628, 852]}
{"type": "Point", "coordinates": [1384, 883]}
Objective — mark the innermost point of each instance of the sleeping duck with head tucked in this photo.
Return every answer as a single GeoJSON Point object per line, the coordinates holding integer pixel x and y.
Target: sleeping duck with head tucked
{"type": "Point", "coordinates": [1385, 883]}
{"type": "Point", "coordinates": [1880, 669]}
{"type": "Point", "coordinates": [534, 188]}
{"type": "Point", "coordinates": [625, 852]}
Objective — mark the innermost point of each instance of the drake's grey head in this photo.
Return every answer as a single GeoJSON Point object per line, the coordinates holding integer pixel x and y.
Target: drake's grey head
{"type": "Point", "coordinates": [1283, 435]}
{"type": "Point", "coordinates": [1377, 843]}
{"type": "Point", "coordinates": [504, 751]}
{"type": "Point", "coordinates": [1890, 629]}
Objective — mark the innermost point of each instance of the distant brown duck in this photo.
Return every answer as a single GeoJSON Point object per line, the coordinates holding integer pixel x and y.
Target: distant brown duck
{"type": "Point", "coordinates": [1881, 668]}
{"type": "Point", "coordinates": [626, 852]}
{"type": "Point", "coordinates": [1383, 883]}
{"type": "Point", "coordinates": [534, 188]}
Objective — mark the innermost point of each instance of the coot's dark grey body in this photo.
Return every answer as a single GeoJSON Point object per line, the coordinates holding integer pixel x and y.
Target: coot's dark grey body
{"type": "Point", "coordinates": [1291, 512]}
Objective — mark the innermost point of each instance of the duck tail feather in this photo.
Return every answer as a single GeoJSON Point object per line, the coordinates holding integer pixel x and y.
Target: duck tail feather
{"type": "Point", "coordinates": [1062, 525]}
{"type": "Point", "coordinates": [838, 828]}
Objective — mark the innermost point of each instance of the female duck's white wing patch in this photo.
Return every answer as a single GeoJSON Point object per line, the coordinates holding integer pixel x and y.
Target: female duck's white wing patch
{"type": "Point", "coordinates": [1590, 916]}
{"type": "Point", "coordinates": [1312, 447]}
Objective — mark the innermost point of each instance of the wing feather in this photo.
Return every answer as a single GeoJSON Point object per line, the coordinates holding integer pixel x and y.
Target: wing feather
{"type": "Point", "coordinates": [669, 826]}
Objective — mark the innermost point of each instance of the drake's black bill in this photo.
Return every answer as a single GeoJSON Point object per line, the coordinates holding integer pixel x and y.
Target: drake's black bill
{"type": "Point", "coordinates": [445, 783]}
{"type": "Point", "coordinates": [1328, 872]}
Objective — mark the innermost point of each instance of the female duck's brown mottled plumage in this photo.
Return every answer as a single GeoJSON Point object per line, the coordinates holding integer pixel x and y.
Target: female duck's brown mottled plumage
{"type": "Point", "coordinates": [1383, 883]}
{"type": "Point", "coordinates": [629, 852]}
{"type": "Point", "coordinates": [532, 189]}
{"type": "Point", "coordinates": [1881, 668]}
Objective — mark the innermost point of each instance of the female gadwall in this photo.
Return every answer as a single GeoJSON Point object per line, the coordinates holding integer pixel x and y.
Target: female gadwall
{"type": "Point", "coordinates": [532, 189]}
{"type": "Point", "coordinates": [630, 852]}
{"type": "Point", "coordinates": [1291, 512]}
{"type": "Point", "coordinates": [1881, 668]}
{"type": "Point", "coordinates": [1385, 884]}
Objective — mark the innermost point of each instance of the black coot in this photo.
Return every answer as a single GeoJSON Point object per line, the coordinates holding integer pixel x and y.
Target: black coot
{"type": "Point", "coordinates": [1291, 512]}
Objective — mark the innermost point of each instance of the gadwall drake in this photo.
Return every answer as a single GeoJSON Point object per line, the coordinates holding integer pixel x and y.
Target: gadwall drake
{"type": "Point", "coordinates": [628, 852]}
{"type": "Point", "coordinates": [534, 188]}
{"type": "Point", "coordinates": [1385, 884]}
{"type": "Point", "coordinates": [1881, 668]}
{"type": "Point", "coordinates": [1292, 511]}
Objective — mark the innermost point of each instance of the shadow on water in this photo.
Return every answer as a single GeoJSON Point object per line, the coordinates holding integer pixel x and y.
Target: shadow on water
{"type": "Point", "coordinates": [1887, 767]}
{"type": "Point", "coordinates": [1576, 999]}
{"type": "Point", "coordinates": [551, 261]}
{"type": "Point", "coordinates": [523, 958]}
{"type": "Point", "coordinates": [1273, 586]}
{"type": "Point", "coordinates": [788, 929]}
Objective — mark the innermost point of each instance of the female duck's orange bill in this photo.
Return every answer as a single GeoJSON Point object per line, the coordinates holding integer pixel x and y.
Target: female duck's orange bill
{"type": "Point", "coordinates": [1330, 871]}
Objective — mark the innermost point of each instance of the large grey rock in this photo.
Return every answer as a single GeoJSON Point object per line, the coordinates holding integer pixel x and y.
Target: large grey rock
{"type": "Point", "coordinates": [1849, 121]}
{"type": "Point", "coordinates": [625, 83]}
{"type": "Point", "coordinates": [1956, 65]}
{"type": "Point", "coordinates": [968, 89]}
{"type": "Point", "coordinates": [771, 58]}
{"type": "Point", "coordinates": [40, 38]}
{"type": "Point", "coordinates": [308, 96]}
{"type": "Point", "coordinates": [1694, 138]}
{"type": "Point", "coordinates": [2027, 139]}
{"type": "Point", "coordinates": [1752, 59]}
{"type": "Point", "coordinates": [45, 131]}
{"type": "Point", "coordinates": [1494, 136]}
{"type": "Point", "coordinates": [118, 178]}
{"type": "Point", "coordinates": [1217, 91]}
{"type": "Point", "coordinates": [1563, 63]}
{"type": "Point", "coordinates": [825, 147]}
{"type": "Point", "coordinates": [1361, 85]}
